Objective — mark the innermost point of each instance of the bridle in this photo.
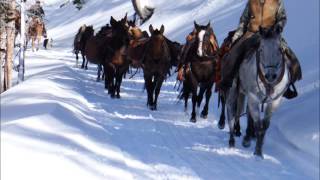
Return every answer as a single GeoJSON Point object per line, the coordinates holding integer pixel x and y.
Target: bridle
{"type": "Point", "coordinates": [207, 40]}
{"type": "Point", "coordinates": [269, 86]}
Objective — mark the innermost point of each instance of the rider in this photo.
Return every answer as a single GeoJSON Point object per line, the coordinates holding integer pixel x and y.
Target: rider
{"type": "Point", "coordinates": [259, 15]}
{"type": "Point", "coordinates": [36, 10]}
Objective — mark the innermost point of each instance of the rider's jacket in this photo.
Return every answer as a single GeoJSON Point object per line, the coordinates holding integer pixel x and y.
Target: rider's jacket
{"type": "Point", "coordinates": [264, 13]}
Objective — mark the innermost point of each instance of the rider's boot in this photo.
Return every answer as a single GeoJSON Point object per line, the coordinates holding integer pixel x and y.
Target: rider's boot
{"type": "Point", "coordinates": [295, 71]}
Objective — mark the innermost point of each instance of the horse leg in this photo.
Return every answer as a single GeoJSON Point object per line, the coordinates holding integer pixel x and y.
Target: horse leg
{"type": "Point", "coordinates": [263, 125]}
{"type": "Point", "coordinates": [194, 87]}
{"type": "Point", "coordinates": [186, 93]}
{"type": "Point", "coordinates": [38, 39]}
{"type": "Point", "coordinates": [32, 44]}
{"type": "Point", "coordinates": [118, 82]}
{"type": "Point", "coordinates": [103, 73]}
{"type": "Point", "coordinates": [99, 72]}
{"type": "Point", "coordinates": [77, 57]}
{"type": "Point", "coordinates": [106, 79]}
{"type": "Point", "coordinates": [222, 119]}
{"type": "Point", "coordinates": [254, 110]}
{"type": "Point", "coordinates": [148, 84]}
{"type": "Point", "coordinates": [246, 142]}
{"type": "Point", "coordinates": [83, 66]}
{"type": "Point", "coordinates": [111, 87]}
{"type": "Point", "coordinates": [240, 109]}
{"type": "Point", "coordinates": [159, 81]}
{"type": "Point", "coordinates": [86, 67]}
{"type": "Point", "coordinates": [231, 113]}
{"type": "Point", "coordinates": [200, 96]}
{"type": "Point", "coordinates": [204, 113]}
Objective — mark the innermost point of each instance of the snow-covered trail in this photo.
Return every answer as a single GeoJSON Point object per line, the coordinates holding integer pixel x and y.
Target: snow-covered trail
{"type": "Point", "coordinates": [60, 123]}
{"type": "Point", "coordinates": [71, 126]}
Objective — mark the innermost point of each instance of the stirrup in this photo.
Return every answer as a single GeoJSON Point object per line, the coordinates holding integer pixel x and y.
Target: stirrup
{"type": "Point", "coordinates": [290, 94]}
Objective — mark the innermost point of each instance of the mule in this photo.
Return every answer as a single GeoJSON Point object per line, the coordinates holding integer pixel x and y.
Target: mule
{"type": "Point", "coordinates": [95, 49]}
{"type": "Point", "coordinates": [200, 68]}
{"type": "Point", "coordinates": [79, 43]}
{"type": "Point", "coordinates": [157, 63]}
{"type": "Point", "coordinates": [116, 64]}
{"type": "Point", "coordinates": [262, 80]}
{"type": "Point", "coordinates": [224, 50]}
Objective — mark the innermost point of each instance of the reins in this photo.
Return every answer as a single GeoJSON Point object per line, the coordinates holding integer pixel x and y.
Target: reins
{"type": "Point", "coordinates": [268, 86]}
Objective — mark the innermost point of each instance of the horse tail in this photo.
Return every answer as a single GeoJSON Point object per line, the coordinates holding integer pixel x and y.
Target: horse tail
{"type": "Point", "coordinates": [185, 91]}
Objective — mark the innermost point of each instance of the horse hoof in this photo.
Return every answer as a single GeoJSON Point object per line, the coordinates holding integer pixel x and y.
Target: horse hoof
{"type": "Point", "coordinates": [86, 68]}
{"type": "Point", "coordinates": [112, 96]}
{"type": "Point", "coordinates": [153, 108]}
{"type": "Point", "coordinates": [193, 120]}
{"type": "Point", "coordinates": [221, 125]}
{"type": "Point", "coordinates": [118, 96]}
{"type": "Point", "coordinates": [246, 142]}
{"type": "Point", "coordinates": [231, 143]}
{"type": "Point", "coordinates": [204, 115]}
{"type": "Point", "coordinates": [237, 133]}
{"type": "Point", "coordinates": [258, 154]}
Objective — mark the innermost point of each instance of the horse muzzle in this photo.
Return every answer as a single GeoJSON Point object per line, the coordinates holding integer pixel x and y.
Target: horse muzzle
{"type": "Point", "coordinates": [270, 77]}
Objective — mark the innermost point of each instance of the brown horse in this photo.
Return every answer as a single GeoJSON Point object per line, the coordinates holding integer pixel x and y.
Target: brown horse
{"type": "Point", "coordinates": [224, 49]}
{"type": "Point", "coordinates": [95, 49]}
{"type": "Point", "coordinates": [116, 63]}
{"type": "Point", "coordinates": [157, 63]}
{"type": "Point", "coordinates": [200, 68]}
{"type": "Point", "coordinates": [80, 41]}
{"type": "Point", "coordinates": [36, 29]}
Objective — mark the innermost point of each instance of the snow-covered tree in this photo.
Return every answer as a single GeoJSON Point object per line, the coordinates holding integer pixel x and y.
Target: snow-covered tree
{"type": "Point", "coordinates": [142, 9]}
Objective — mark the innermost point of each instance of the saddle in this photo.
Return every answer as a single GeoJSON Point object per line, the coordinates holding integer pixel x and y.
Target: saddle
{"type": "Point", "coordinates": [136, 51]}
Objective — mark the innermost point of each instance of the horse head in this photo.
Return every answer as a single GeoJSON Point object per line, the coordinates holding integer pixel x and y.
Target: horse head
{"type": "Point", "coordinates": [270, 57]}
{"type": "Point", "coordinates": [205, 40]}
{"type": "Point", "coordinates": [89, 31]}
{"type": "Point", "coordinates": [120, 35]}
{"type": "Point", "coordinates": [157, 40]}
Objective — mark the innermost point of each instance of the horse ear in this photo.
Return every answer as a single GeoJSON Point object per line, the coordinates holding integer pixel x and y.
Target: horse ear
{"type": "Point", "coordinates": [196, 25]}
{"type": "Point", "coordinates": [125, 18]}
{"type": "Point", "coordinates": [208, 25]}
{"type": "Point", "coordinates": [112, 21]}
{"type": "Point", "coordinates": [151, 29]}
{"type": "Point", "coordinates": [162, 29]}
{"type": "Point", "coordinates": [134, 21]}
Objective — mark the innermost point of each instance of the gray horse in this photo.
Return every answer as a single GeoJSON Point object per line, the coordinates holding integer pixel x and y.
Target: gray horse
{"type": "Point", "coordinates": [262, 80]}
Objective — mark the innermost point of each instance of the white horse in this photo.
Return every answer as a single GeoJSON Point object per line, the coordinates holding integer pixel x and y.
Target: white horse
{"type": "Point", "coordinates": [263, 78]}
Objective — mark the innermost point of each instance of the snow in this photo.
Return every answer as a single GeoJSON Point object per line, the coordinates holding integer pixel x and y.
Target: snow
{"type": "Point", "coordinates": [60, 123]}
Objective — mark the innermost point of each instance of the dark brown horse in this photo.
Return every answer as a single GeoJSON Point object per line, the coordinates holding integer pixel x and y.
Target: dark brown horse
{"type": "Point", "coordinates": [157, 63]}
{"type": "Point", "coordinates": [95, 49]}
{"type": "Point", "coordinates": [224, 49]}
{"type": "Point", "coordinates": [80, 41]}
{"type": "Point", "coordinates": [116, 64]}
{"type": "Point", "coordinates": [200, 68]}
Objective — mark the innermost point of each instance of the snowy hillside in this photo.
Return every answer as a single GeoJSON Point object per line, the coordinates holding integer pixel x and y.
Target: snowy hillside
{"type": "Point", "coordinates": [61, 124]}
